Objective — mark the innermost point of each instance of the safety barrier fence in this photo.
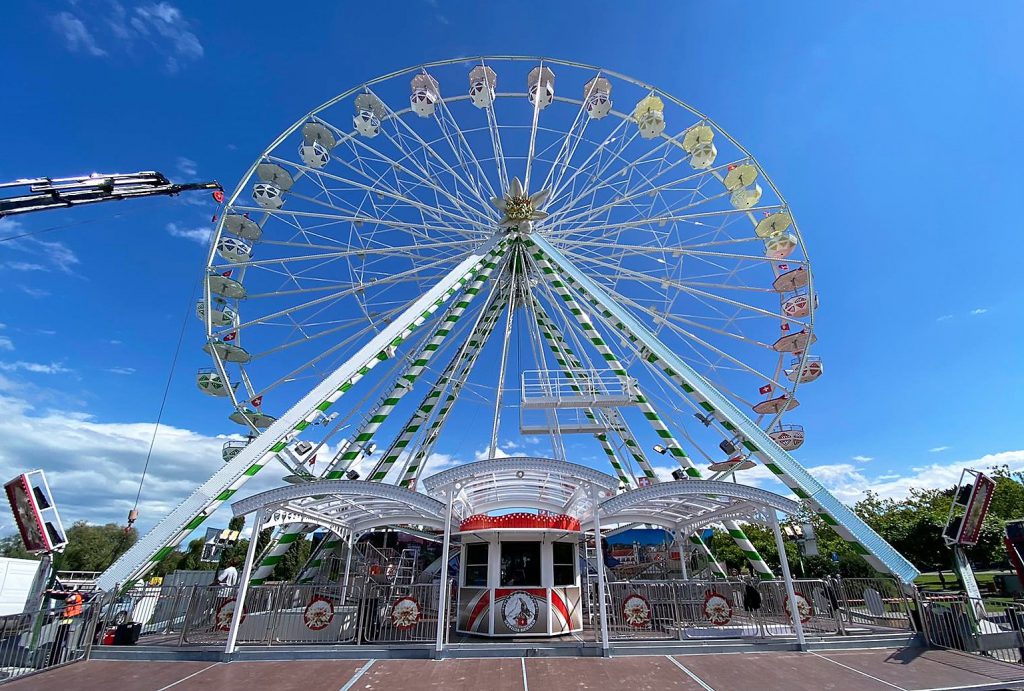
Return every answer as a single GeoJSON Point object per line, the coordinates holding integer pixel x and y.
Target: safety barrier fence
{"type": "Point", "coordinates": [281, 614]}
{"type": "Point", "coordinates": [402, 614]}
{"type": "Point", "coordinates": [871, 602]}
{"type": "Point", "coordinates": [370, 611]}
{"type": "Point", "coordinates": [723, 609]}
{"type": "Point", "coordinates": [991, 628]}
{"type": "Point", "coordinates": [43, 639]}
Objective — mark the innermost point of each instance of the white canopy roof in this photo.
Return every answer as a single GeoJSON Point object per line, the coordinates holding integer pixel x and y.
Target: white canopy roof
{"type": "Point", "coordinates": [691, 504]}
{"type": "Point", "coordinates": [513, 483]}
{"type": "Point", "coordinates": [354, 505]}
{"type": "Point", "coordinates": [524, 482]}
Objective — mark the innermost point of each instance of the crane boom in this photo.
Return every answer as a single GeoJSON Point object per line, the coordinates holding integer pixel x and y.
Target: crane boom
{"type": "Point", "coordinates": [57, 193]}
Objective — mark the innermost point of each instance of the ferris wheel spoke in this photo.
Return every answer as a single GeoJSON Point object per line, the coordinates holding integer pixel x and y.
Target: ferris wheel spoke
{"type": "Point", "coordinates": [394, 166]}
{"type": "Point", "coordinates": [332, 351]}
{"type": "Point", "coordinates": [434, 210]}
{"type": "Point", "coordinates": [590, 213]}
{"type": "Point", "coordinates": [666, 282]}
{"type": "Point", "coordinates": [346, 287]}
{"type": "Point", "coordinates": [647, 185]}
{"type": "Point", "coordinates": [569, 144]}
{"type": "Point", "coordinates": [461, 148]}
{"type": "Point", "coordinates": [414, 230]}
{"type": "Point", "coordinates": [661, 220]}
{"type": "Point", "coordinates": [397, 119]}
{"type": "Point", "coordinates": [586, 189]}
{"type": "Point", "coordinates": [671, 318]}
{"type": "Point", "coordinates": [560, 188]}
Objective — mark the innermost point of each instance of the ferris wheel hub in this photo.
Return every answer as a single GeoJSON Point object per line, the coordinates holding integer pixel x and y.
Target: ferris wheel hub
{"type": "Point", "coordinates": [519, 208]}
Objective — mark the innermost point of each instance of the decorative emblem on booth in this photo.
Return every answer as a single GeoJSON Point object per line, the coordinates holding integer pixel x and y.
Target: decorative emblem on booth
{"type": "Point", "coordinates": [405, 613]}
{"type": "Point", "coordinates": [636, 611]}
{"type": "Point", "coordinates": [222, 618]}
{"type": "Point", "coordinates": [717, 609]}
{"type": "Point", "coordinates": [802, 606]}
{"type": "Point", "coordinates": [519, 611]}
{"type": "Point", "coordinates": [318, 613]}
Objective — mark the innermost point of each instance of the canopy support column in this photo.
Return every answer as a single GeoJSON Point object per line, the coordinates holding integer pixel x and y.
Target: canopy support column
{"type": "Point", "coordinates": [442, 600]}
{"type": "Point", "coordinates": [348, 567]}
{"type": "Point", "coordinates": [602, 606]}
{"type": "Point", "coordinates": [794, 611]}
{"type": "Point", "coordinates": [243, 582]}
{"type": "Point", "coordinates": [681, 541]}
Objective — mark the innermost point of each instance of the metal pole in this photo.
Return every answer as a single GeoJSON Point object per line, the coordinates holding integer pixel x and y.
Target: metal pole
{"type": "Point", "coordinates": [601, 606]}
{"type": "Point", "coordinates": [348, 569]}
{"type": "Point", "coordinates": [794, 612]}
{"type": "Point", "coordinates": [243, 583]}
{"type": "Point", "coordinates": [442, 600]}
{"type": "Point", "coordinates": [682, 553]}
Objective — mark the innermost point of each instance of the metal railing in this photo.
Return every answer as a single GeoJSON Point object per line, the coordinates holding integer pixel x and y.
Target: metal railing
{"type": "Point", "coordinates": [35, 641]}
{"type": "Point", "coordinates": [875, 603]}
{"type": "Point", "coordinates": [992, 628]}
{"type": "Point", "coordinates": [407, 614]}
{"type": "Point", "coordinates": [717, 609]}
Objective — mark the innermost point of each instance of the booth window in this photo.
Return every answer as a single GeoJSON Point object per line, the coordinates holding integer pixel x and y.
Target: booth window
{"type": "Point", "coordinates": [564, 563]}
{"type": "Point", "coordinates": [476, 565]}
{"type": "Point", "coordinates": [520, 564]}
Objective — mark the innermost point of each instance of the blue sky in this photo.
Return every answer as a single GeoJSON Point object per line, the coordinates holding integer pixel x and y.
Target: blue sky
{"type": "Point", "coordinates": [893, 133]}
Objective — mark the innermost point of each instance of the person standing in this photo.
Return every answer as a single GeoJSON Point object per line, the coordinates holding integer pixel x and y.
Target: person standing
{"type": "Point", "coordinates": [73, 608]}
{"type": "Point", "coordinates": [229, 576]}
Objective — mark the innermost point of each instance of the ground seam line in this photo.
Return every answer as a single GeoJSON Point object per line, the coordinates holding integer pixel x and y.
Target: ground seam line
{"type": "Point", "coordinates": [526, 686]}
{"type": "Point", "coordinates": [189, 676]}
{"type": "Point", "coordinates": [690, 674]}
{"type": "Point", "coordinates": [359, 672]}
{"type": "Point", "coordinates": [853, 669]}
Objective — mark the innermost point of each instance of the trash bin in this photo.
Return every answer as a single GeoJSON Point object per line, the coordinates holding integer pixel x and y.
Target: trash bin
{"type": "Point", "coordinates": [127, 634]}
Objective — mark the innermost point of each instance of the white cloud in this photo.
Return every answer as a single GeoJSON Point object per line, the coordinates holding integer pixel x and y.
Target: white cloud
{"type": "Point", "coordinates": [94, 467]}
{"type": "Point", "coordinates": [187, 166]}
{"type": "Point", "coordinates": [863, 459]}
{"type": "Point", "coordinates": [978, 310]}
{"type": "Point", "coordinates": [200, 235]}
{"type": "Point", "coordinates": [33, 292]}
{"type": "Point", "coordinates": [166, 28]}
{"type": "Point", "coordinates": [938, 449]}
{"type": "Point", "coordinates": [48, 254]}
{"type": "Point", "coordinates": [6, 343]}
{"type": "Point", "coordinates": [76, 35]}
{"type": "Point", "coordinates": [849, 482]}
{"type": "Point", "coordinates": [945, 317]}
{"type": "Point", "coordinates": [34, 367]}
{"type": "Point", "coordinates": [162, 25]}
{"type": "Point", "coordinates": [122, 370]}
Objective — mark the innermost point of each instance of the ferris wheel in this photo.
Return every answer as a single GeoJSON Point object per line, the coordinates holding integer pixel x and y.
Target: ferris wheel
{"type": "Point", "coordinates": [546, 253]}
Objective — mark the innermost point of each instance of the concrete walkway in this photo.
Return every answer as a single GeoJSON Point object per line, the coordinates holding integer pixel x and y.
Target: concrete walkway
{"type": "Point", "coordinates": [910, 669]}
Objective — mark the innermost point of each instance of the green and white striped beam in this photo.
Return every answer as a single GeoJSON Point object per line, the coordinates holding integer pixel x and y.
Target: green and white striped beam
{"type": "Point", "coordinates": [660, 428]}
{"type": "Point", "coordinates": [231, 476]}
{"type": "Point", "coordinates": [417, 462]}
{"type": "Point", "coordinates": [860, 537]}
{"type": "Point", "coordinates": [570, 363]}
{"type": "Point", "coordinates": [422, 413]}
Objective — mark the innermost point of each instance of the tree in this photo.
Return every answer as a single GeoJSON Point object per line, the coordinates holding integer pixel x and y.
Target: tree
{"type": "Point", "coordinates": [95, 547]}
{"type": "Point", "coordinates": [13, 548]}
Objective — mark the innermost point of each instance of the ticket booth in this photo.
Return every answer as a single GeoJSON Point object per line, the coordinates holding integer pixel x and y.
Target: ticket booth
{"type": "Point", "coordinates": [519, 575]}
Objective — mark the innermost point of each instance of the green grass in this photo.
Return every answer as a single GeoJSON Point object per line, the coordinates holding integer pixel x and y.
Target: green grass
{"type": "Point", "coordinates": [930, 581]}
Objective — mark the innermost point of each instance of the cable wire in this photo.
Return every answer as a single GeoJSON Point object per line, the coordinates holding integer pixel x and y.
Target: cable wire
{"type": "Point", "coordinates": [167, 389]}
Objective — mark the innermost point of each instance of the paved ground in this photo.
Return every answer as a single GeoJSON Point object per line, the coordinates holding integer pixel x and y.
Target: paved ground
{"type": "Point", "coordinates": [863, 670]}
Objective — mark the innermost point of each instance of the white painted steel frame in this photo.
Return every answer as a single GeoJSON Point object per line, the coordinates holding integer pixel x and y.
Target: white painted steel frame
{"type": "Point", "coordinates": [138, 558]}
{"type": "Point", "coordinates": [768, 451]}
